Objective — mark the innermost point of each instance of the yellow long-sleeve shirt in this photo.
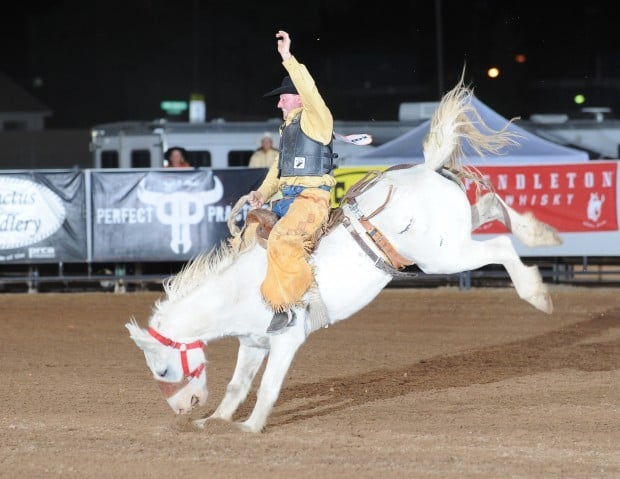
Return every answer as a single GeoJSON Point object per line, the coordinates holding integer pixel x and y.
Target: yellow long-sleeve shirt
{"type": "Point", "coordinates": [316, 122]}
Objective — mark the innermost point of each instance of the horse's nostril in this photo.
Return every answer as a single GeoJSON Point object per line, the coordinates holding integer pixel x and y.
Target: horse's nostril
{"type": "Point", "coordinates": [195, 401]}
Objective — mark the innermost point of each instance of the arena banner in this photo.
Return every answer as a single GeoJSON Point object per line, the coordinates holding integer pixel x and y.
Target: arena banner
{"type": "Point", "coordinates": [346, 177]}
{"type": "Point", "coordinates": [580, 200]}
{"type": "Point", "coordinates": [42, 217]}
{"type": "Point", "coordinates": [580, 197]}
{"type": "Point", "coordinates": [164, 215]}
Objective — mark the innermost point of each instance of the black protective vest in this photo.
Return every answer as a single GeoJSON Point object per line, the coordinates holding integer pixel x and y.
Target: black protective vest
{"type": "Point", "coordinates": [300, 155]}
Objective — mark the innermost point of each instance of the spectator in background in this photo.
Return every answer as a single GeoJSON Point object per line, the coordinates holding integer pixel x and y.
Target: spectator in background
{"type": "Point", "coordinates": [176, 157]}
{"type": "Point", "coordinates": [264, 156]}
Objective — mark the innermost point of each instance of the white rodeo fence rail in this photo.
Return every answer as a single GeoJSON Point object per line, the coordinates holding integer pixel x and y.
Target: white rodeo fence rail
{"type": "Point", "coordinates": [119, 228]}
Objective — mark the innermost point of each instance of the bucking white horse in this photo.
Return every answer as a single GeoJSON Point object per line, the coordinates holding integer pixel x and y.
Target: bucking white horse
{"type": "Point", "coordinates": [415, 214]}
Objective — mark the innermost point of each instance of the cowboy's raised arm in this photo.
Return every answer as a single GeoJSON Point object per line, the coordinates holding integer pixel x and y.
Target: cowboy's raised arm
{"type": "Point", "coordinates": [284, 44]}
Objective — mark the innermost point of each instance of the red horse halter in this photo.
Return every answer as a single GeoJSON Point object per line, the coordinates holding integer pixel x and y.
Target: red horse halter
{"type": "Point", "coordinates": [169, 389]}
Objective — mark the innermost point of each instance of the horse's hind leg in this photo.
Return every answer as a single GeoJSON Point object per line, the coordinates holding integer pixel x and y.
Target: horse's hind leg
{"type": "Point", "coordinates": [249, 360]}
{"type": "Point", "coordinates": [500, 250]}
{"type": "Point", "coordinates": [529, 230]}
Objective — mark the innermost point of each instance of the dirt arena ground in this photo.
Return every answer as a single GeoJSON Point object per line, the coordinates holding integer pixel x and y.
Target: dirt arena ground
{"type": "Point", "coordinates": [423, 383]}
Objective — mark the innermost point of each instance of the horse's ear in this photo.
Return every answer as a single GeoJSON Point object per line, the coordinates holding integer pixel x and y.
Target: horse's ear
{"type": "Point", "coordinates": [139, 335]}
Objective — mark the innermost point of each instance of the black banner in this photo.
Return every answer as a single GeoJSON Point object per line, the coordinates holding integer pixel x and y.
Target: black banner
{"type": "Point", "coordinates": [164, 215]}
{"type": "Point", "coordinates": [42, 217]}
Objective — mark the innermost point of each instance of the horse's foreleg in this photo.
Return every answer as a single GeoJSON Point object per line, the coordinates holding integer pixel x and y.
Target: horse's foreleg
{"type": "Point", "coordinates": [249, 359]}
{"type": "Point", "coordinates": [283, 350]}
{"type": "Point", "coordinates": [529, 230]}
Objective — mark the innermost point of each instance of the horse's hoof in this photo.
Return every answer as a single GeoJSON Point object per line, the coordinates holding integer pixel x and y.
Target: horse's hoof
{"type": "Point", "coordinates": [542, 302]}
{"type": "Point", "coordinates": [200, 423]}
{"type": "Point", "coordinates": [247, 428]}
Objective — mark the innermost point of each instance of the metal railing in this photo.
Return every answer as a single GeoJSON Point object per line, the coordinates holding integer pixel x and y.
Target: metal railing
{"type": "Point", "coordinates": [123, 277]}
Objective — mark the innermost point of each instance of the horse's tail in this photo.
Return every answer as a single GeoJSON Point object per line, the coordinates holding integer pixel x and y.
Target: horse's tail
{"type": "Point", "coordinates": [456, 119]}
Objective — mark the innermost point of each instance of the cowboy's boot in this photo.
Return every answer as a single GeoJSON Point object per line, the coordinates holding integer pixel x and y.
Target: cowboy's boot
{"type": "Point", "coordinates": [282, 320]}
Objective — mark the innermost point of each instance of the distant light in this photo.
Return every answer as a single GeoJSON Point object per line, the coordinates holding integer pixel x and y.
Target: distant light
{"type": "Point", "coordinates": [579, 99]}
{"type": "Point", "coordinates": [37, 82]}
{"type": "Point", "coordinates": [520, 58]}
{"type": "Point", "coordinates": [174, 107]}
{"type": "Point", "coordinates": [197, 108]}
{"type": "Point", "coordinates": [493, 72]}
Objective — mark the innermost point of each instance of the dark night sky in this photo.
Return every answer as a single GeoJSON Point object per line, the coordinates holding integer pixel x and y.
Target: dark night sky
{"type": "Point", "coordinates": [110, 61]}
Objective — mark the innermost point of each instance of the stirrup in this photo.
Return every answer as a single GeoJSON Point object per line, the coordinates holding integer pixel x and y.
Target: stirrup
{"type": "Point", "coordinates": [281, 320]}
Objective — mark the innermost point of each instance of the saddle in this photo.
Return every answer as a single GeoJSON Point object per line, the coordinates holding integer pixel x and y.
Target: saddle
{"type": "Point", "coordinates": [260, 222]}
{"type": "Point", "coordinates": [265, 220]}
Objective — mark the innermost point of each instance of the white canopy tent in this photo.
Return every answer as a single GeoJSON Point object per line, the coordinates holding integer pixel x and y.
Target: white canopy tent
{"type": "Point", "coordinates": [531, 149]}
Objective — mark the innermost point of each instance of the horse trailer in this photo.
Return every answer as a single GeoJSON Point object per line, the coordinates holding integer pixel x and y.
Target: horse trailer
{"type": "Point", "coordinates": [216, 144]}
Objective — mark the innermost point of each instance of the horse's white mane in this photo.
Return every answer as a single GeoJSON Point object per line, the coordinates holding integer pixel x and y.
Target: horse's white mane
{"type": "Point", "coordinates": [194, 272]}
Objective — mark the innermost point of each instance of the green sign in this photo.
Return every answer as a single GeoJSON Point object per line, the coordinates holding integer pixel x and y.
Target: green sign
{"type": "Point", "coordinates": [174, 107]}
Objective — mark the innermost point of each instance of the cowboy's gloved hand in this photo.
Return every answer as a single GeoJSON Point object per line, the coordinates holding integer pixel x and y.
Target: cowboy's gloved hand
{"type": "Point", "coordinates": [284, 44]}
{"type": "Point", "coordinates": [256, 200]}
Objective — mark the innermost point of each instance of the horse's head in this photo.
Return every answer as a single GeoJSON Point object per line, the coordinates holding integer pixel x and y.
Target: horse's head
{"type": "Point", "coordinates": [179, 368]}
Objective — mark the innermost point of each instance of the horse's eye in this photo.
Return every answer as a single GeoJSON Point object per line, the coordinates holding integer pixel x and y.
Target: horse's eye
{"type": "Point", "coordinates": [163, 373]}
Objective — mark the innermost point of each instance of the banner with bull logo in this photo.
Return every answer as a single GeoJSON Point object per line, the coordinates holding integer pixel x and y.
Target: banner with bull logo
{"type": "Point", "coordinates": [164, 215]}
{"type": "Point", "coordinates": [42, 217]}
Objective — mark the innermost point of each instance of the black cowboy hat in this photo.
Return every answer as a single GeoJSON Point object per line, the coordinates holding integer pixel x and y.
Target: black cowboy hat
{"type": "Point", "coordinates": [286, 87]}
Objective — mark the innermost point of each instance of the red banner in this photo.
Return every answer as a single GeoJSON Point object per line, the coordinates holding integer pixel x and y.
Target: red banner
{"type": "Point", "coordinates": [571, 198]}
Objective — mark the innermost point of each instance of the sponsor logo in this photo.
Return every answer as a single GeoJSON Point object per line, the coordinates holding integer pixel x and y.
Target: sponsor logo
{"type": "Point", "coordinates": [595, 210]}
{"type": "Point", "coordinates": [29, 212]}
{"type": "Point", "coordinates": [180, 210]}
{"type": "Point", "coordinates": [299, 162]}
{"type": "Point", "coordinates": [41, 252]}
{"type": "Point", "coordinates": [568, 197]}
{"type": "Point", "coordinates": [121, 216]}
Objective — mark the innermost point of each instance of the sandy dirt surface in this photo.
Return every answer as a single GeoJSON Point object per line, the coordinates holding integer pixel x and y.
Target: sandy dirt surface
{"type": "Point", "coordinates": [423, 383]}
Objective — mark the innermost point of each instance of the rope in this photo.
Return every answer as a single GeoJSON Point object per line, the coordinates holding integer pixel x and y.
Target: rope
{"type": "Point", "coordinates": [369, 179]}
{"type": "Point", "coordinates": [364, 185]}
{"type": "Point", "coordinates": [232, 224]}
